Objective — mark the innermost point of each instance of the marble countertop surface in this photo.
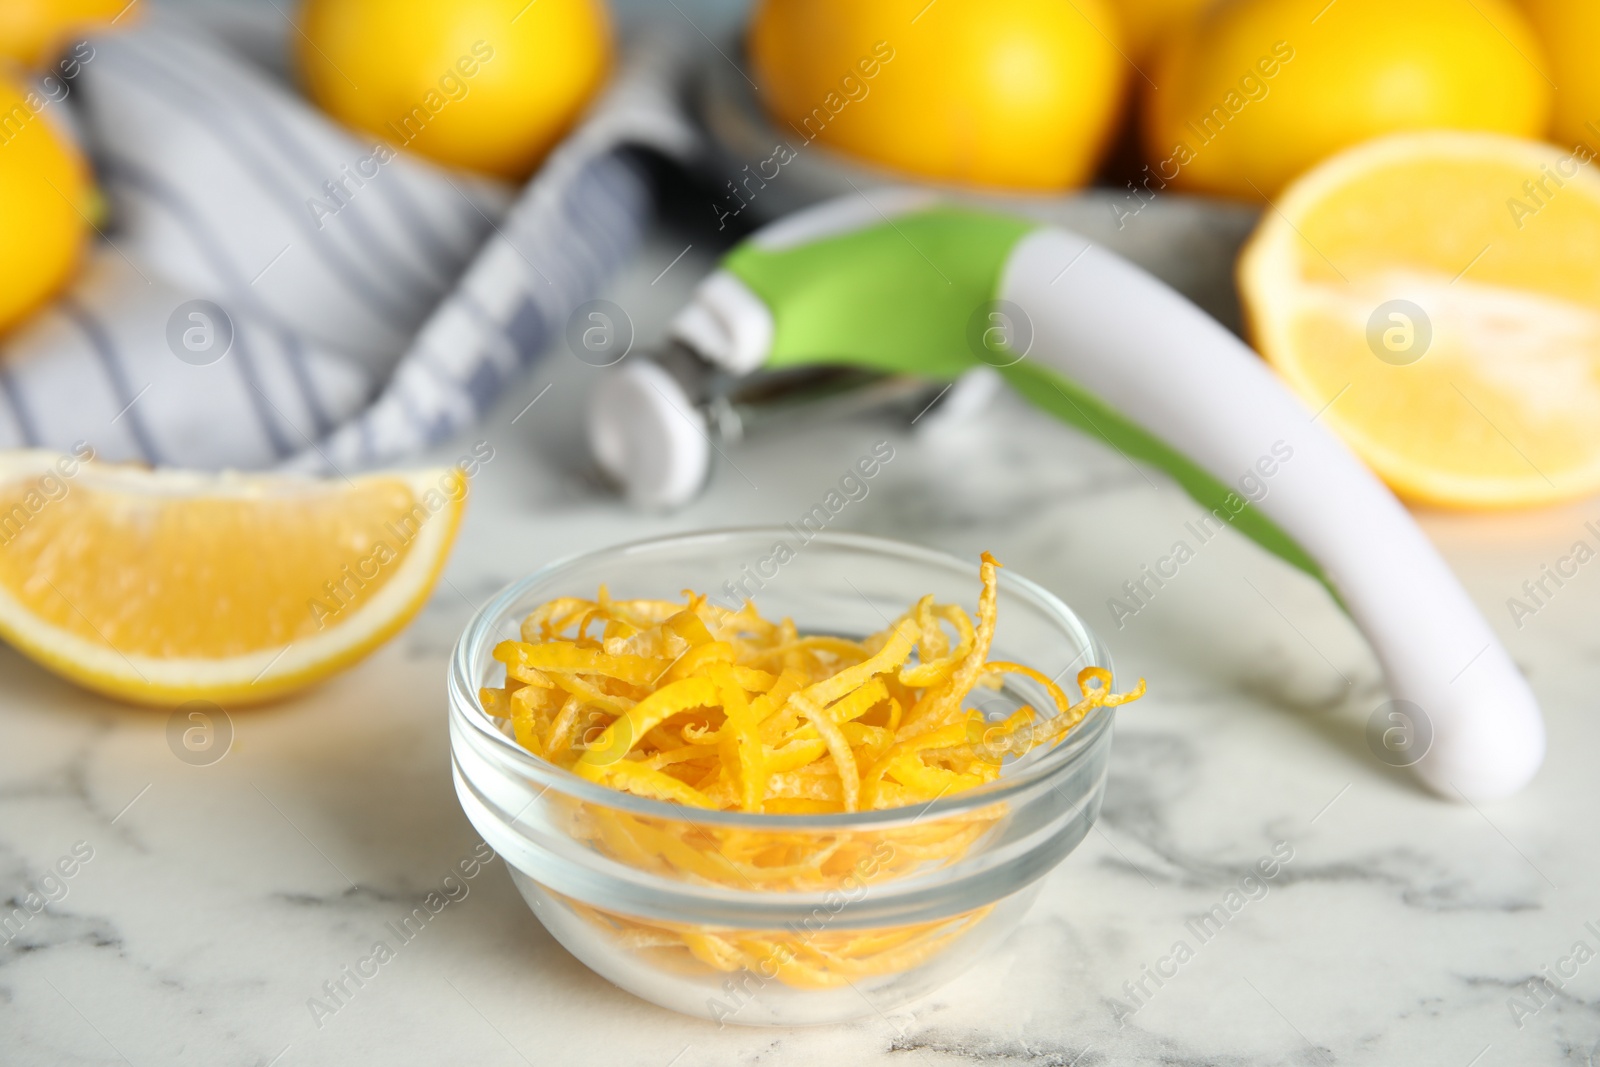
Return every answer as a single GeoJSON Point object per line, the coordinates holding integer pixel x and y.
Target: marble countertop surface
{"type": "Point", "coordinates": [207, 905]}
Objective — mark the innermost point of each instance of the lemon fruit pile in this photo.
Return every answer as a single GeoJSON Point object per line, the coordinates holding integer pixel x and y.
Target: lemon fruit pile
{"type": "Point", "coordinates": [32, 31]}
{"type": "Point", "coordinates": [44, 192]}
{"type": "Point", "coordinates": [1254, 92]}
{"type": "Point", "coordinates": [1438, 294]}
{"type": "Point", "coordinates": [489, 85]}
{"type": "Point", "coordinates": [162, 587]}
{"type": "Point", "coordinates": [1017, 94]}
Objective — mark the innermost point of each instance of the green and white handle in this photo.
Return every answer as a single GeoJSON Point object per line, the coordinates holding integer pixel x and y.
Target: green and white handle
{"type": "Point", "coordinates": [915, 286]}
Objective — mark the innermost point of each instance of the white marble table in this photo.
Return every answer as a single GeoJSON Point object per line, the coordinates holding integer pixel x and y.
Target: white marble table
{"type": "Point", "coordinates": [219, 899]}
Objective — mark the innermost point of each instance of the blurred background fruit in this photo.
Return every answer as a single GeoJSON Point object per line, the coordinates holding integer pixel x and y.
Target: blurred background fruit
{"type": "Point", "coordinates": [33, 31]}
{"type": "Point", "coordinates": [1254, 92]}
{"type": "Point", "coordinates": [44, 187]}
{"type": "Point", "coordinates": [1436, 296]}
{"type": "Point", "coordinates": [489, 85]}
{"type": "Point", "coordinates": [1016, 94]}
{"type": "Point", "coordinates": [1147, 23]}
{"type": "Point", "coordinates": [1570, 33]}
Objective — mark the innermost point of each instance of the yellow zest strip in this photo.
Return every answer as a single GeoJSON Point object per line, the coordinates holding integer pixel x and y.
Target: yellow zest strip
{"type": "Point", "coordinates": [679, 696]}
{"type": "Point", "coordinates": [933, 671]}
{"type": "Point", "coordinates": [894, 653]}
{"type": "Point", "coordinates": [788, 683]}
{"type": "Point", "coordinates": [934, 644]}
{"type": "Point", "coordinates": [860, 735]}
{"type": "Point", "coordinates": [696, 734]}
{"type": "Point", "coordinates": [713, 951]}
{"type": "Point", "coordinates": [859, 702]}
{"type": "Point", "coordinates": [844, 760]}
{"type": "Point", "coordinates": [615, 703]}
{"type": "Point", "coordinates": [744, 739]}
{"type": "Point", "coordinates": [1113, 700]}
{"type": "Point", "coordinates": [794, 755]}
{"type": "Point", "coordinates": [1070, 714]}
{"type": "Point", "coordinates": [1057, 694]}
{"type": "Point", "coordinates": [669, 756]}
{"type": "Point", "coordinates": [940, 703]}
{"type": "Point", "coordinates": [526, 703]}
{"type": "Point", "coordinates": [909, 770]}
{"type": "Point", "coordinates": [944, 737]}
{"type": "Point", "coordinates": [838, 646]}
{"type": "Point", "coordinates": [996, 739]}
{"type": "Point", "coordinates": [806, 786]}
{"type": "Point", "coordinates": [697, 660]}
{"type": "Point", "coordinates": [561, 730]}
{"type": "Point", "coordinates": [753, 681]}
{"type": "Point", "coordinates": [642, 781]}
{"type": "Point", "coordinates": [519, 656]}
{"type": "Point", "coordinates": [642, 614]}
{"type": "Point", "coordinates": [553, 617]}
{"type": "Point", "coordinates": [689, 626]}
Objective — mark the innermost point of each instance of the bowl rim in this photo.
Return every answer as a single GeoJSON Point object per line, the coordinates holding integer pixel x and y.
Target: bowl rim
{"type": "Point", "coordinates": [467, 709]}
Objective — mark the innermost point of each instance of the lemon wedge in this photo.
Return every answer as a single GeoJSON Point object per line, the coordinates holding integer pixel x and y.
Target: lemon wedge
{"type": "Point", "coordinates": [161, 587]}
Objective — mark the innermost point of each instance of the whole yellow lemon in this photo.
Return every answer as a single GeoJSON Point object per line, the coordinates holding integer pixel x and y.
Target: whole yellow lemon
{"type": "Point", "coordinates": [1258, 91]}
{"type": "Point", "coordinates": [43, 185]}
{"type": "Point", "coordinates": [1570, 33]}
{"type": "Point", "coordinates": [489, 85]}
{"type": "Point", "coordinates": [1015, 94]}
{"type": "Point", "coordinates": [32, 31]}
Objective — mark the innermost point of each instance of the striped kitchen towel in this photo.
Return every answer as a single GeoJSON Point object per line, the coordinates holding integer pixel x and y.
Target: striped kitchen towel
{"type": "Point", "coordinates": [273, 289]}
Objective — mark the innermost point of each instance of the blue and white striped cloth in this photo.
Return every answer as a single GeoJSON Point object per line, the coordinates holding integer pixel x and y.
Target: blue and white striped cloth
{"type": "Point", "coordinates": [364, 329]}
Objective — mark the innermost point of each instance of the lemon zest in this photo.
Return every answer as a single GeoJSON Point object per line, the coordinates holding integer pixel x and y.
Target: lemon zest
{"type": "Point", "coordinates": [715, 709]}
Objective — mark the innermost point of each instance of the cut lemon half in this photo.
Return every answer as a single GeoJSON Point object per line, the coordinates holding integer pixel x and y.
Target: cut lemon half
{"type": "Point", "coordinates": [1437, 297]}
{"type": "Point", "coordinates": [162, 587]}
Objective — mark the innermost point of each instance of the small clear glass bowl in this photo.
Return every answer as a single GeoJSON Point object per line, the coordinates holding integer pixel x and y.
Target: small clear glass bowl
{"type": "Point", "coordinates": [783, 919]}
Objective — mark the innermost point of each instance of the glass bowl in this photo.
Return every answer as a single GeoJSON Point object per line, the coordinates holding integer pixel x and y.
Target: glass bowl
{"type": "Point", "coordinates": [761, 919]}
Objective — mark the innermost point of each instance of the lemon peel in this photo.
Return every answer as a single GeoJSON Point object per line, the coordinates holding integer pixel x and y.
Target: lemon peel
{"type": "Point", "coordinates": [709, 708]}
